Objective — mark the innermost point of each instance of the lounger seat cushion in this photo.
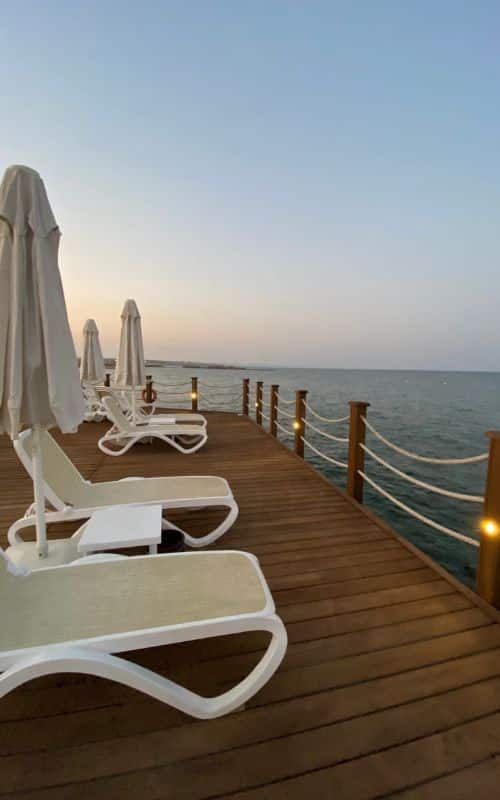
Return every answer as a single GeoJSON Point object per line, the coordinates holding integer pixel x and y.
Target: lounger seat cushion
{"type": "Point", "coordinates": [67, 483]}
{"type": "Point", "coordinates": [169, 429]}
{"type": "Point", "coordinates": [155, 489]}
{"type": "Point", "coordinates": [189, 419]}
{"type": "Point", "coordinates": [81, 602]}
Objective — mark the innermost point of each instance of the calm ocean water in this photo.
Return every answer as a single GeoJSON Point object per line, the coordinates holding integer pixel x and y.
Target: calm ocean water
{"type": "Point", "coordinates": [442, 414]}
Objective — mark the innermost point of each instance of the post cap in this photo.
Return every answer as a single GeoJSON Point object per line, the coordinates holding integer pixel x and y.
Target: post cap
{"type": "Point", "coordinates": [362, 403]}
{"type": "Point", "coordinates": [493, 434]}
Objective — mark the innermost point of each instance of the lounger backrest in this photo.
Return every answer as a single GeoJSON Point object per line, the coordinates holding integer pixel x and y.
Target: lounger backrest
{"type": "Point", "coordinates": [116, 414]}
{"type": "Point", "coordinates": [63, 482]}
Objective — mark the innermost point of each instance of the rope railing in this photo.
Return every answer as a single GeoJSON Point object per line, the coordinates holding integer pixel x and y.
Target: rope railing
{"type": "Point", "coordinates": [417, 456]}
{"type": "Point", "coordinates": [218, 392]}
{"type": "Point", "coordinates": [330, 420]}
{"type": "Point", "coordinates": [172, 385]}
{"type": "Point", "coordinates": [219, 385]}
{"type": "Point", "coordinates": [163, 393]}
{"type": "Point", "coordinates": [422, 484]}
{"type": "Point", "coordinates": [283, 429]}
{"type": "Point", "coordinates": [285, 413]}
{"type": "Point", "coordinates": [332, 460]}
{"type": "Point", "coordinates": [342, 439]}
{"type": "Point", "coordinates": [221, 398]}
{"type": "Point", "coordinates": [426, 520]}
{"type": "Point", "coordinates": [306, 431]}
{"type": "Point", "coordinates": [286, 402]}
{"type": "Point", "coordinates": [216, 403]}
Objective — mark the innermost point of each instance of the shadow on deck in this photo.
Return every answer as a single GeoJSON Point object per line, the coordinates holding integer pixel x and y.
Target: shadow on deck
{"type": "Point", "coordinates": [390, 687]}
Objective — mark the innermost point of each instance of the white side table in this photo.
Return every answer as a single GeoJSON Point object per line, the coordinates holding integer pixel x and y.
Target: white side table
{"type": "Point", "coordinates": [122, 526]}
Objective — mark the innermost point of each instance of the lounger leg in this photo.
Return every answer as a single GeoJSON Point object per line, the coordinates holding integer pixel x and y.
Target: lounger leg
{"type": "Point", "coordinates": [53, 660]}
{"type": "Point", "coordinates": [29, 521]}
{"type": "Point", "coordinates": [220, 530]}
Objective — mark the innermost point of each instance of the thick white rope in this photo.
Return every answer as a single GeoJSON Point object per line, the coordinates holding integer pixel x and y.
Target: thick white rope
{"type": "Point", "coordinates": [323, 455]}
{"type": "Point", "coordinates": [264, 416]}
{"type": "Point", "coordinates": [220, 385]}
{"type": "Point", "coordinates": [282, 400]}
{"type": "Point", "coordinates": [426, 459]}
{"type": "Point", "coordinates": [325, 419]}
{"type": "Point", "coordinates": [324, 433]}
{"type": "Point", "coordinates": [265, 403]}
{"type": "Point", "coordinates": [472, 498]}
{"type": "Point", "coordinates": [285, 413]}
{"type": "Point", "coordinates": [221, 399]}
{"type": "Point", "coordinates": [420, 517]}
{"type": "Point", "coordinates": [283, 430]}
{"type": "Point", "coordinates": [219, 392]}
{"type": "Point", "coordinates": [211, 402]}
{"type": "Point", "coordinates": [166, 393]}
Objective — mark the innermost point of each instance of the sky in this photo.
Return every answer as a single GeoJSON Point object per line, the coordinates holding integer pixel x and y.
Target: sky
{"type": "Point", "coordinates": [275, 182]}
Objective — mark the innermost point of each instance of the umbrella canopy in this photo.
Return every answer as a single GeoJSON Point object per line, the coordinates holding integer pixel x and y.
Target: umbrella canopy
{"type": "Point", "coordinates": [129, 371]}
{"type": "Point", "coordinates": [39, 381]}
{"type": "Point", "coordinates": [92, 362]}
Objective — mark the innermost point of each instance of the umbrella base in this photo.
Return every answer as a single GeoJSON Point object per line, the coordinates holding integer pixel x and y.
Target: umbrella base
{"type": "Point", "coordinates": [61, 551]}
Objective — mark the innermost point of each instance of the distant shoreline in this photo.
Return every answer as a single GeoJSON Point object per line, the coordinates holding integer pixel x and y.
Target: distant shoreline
{"type": "Point", "coordinates": [109, 363]}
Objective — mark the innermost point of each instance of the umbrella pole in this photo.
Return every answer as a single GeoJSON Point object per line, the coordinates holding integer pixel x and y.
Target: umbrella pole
{"type": "Point", "coordinates": [39, 492]}
{"type": "Point", "coordinates": [134, 406]}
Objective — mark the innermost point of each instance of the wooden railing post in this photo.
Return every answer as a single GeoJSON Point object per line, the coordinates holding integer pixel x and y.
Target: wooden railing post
{"type": "Point", "coordinates": [107, 379]}
{"type": "Point", "coordinates": [149, 389]}
{"type": "Point", "coordinates": [299, 425]}
{"type": "Point", "coordinates": [258, 402]}
{"type": "Point", "coordinates": [273, 428]}
{"type": "Point", "coordinates": [246, 396]}
{"type": "Point", "coordinates": [194, 394]}
{"type": "Point", "coordinates": [356, 456]}
{"type": "Point", "coordinates": [488, 571]}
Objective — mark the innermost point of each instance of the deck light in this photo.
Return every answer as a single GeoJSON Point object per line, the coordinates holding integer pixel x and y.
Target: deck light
{"type": "Point", "coordinates": [256, 404]}
{"type": "Point", "coordinates": [193, 395]}
{"type": "Point", "coordinates": [489, 526]}
{"type": "Point", "coordinates": [296, 425]}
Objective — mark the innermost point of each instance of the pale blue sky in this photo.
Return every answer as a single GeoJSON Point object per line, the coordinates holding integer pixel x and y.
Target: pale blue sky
{"type": "Point", "coordinates": [295, 183]}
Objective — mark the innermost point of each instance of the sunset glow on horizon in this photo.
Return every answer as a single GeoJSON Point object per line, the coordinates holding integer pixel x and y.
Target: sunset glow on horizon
{"type": "Point", "coordinates": [283, 184]}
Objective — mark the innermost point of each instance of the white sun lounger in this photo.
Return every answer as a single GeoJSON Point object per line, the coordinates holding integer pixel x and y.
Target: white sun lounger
{"type": "Point", "coordinates": [124, 434]}
{"type": "Point", "coordinates": [94, 410]}
{"type": "Point", "coordinates": [74, 498]}
{"type": "Point", "coordinates": [72, 618]}
{"type": "Point", "coordinates": [146, 411]}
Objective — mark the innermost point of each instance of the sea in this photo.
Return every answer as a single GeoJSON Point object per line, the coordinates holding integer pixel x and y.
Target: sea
{"type": "Point", "coordinates": [437, 414]}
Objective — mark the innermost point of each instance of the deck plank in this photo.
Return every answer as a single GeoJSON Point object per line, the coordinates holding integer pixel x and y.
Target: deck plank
{"type": "Point", "coordinates": [390, 684]}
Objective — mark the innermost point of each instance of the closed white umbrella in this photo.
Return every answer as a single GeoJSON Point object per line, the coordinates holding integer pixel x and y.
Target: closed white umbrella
{"type": "Point", "coordinates": [92, 362]}
{"type": "Point", "coordinates": [39, 381]}
{"type": "Point", "coordinates": [129, 371]}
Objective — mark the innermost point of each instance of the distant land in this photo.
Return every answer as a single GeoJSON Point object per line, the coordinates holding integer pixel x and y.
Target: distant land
{"type": "Point", "coordinates": [110, 363]}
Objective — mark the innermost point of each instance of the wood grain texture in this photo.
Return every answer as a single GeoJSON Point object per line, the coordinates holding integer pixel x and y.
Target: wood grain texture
{"type": "Point", "coordinates": [390, 685]}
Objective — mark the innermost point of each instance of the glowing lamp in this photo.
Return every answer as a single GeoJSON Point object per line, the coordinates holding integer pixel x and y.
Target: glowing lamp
{"type": "Point", "coordinates": [296, 425]}
{"type": "Point", "coordinates": [256, 404]}
{"type": "Point", "coordinates": [193, 395]}
{"type": "Point", "coordinates": [490, 527]}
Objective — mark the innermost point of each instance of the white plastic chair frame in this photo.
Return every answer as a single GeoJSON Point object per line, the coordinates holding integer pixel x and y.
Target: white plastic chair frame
{"type": "Point", "coordinates": [63, 512]}
{"type": "Point", "coordinates": [94, 410]}
{"type": "Point", "coordinates": [93, 656]}
{"type": "Point", "coordinates": [124, 434]}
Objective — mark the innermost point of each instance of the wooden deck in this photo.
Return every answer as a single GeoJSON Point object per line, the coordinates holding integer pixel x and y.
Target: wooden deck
{"type": "Point", "coordinates": [390, 687]}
